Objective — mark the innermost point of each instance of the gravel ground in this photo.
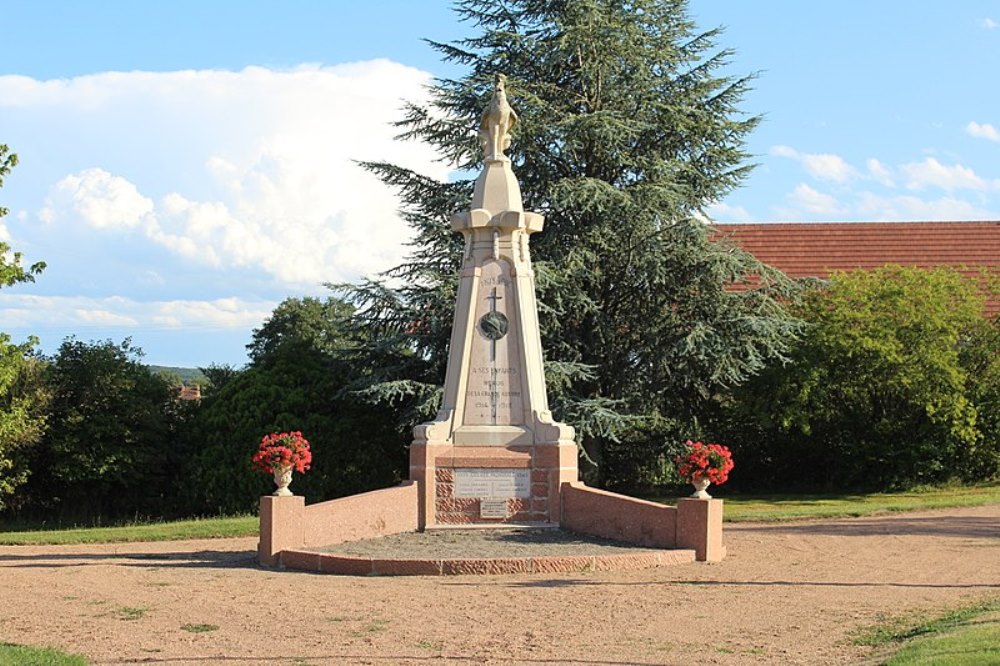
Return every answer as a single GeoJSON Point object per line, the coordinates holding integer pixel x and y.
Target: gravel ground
{"type": "Point", "coordinates": [482, 543]}
{"type": "Point", "coordinates": [787, 594]}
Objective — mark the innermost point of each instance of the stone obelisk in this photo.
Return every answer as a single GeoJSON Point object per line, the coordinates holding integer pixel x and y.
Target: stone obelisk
{"type": "Point", "coordinates": [493, 453]}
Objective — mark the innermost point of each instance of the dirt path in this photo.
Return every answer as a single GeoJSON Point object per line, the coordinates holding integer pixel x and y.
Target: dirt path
{"type": "Point", "coordinates": [787, 594]}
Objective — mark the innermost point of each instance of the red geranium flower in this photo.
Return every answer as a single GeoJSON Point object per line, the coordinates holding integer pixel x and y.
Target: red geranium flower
{"type": "Point", "coordinates": [705, 461]}
{"type": "Point", "coordinates": [282, 449]}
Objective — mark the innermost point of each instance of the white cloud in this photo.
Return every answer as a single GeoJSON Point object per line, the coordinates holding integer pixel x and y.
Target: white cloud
{"type": "Point", "coordinates": [4, 234]}
{"type": "Point", "coordinates": [99, 317]}
{"type": "Point", "coordinates": [22, 310]}
{"type": "Point", "coordinates": [989, 24]}
{"type": "Point", "coordinates": [812, 201]}
{"type": "Point", "coordinates": [100, 199]}
{"type": "Point", "coordinates": [983, 131]}
{"type": "Point", "coordinates": [880, 172]}
{"type": "Point", "coordinates": [722, 212]}
{"type": "Point", "coordinates": [824, 166]}
{"type": "Point", "coordinates": [252, 169]}
{"type": "Point", "coordinates": [931, 173]}
{"type": "Point", "coordinates": [784, 151]}
{"type": "Point", "coordinates": [829, 167]}
{"type": "Point", "coordinates": [876, 208]}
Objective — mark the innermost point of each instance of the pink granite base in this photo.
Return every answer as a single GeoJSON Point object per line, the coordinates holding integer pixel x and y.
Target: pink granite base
{"type": "Point", "coordinates": [287, 524]}
{"type": "Point", "coordinates": [694, 524]}
{"type": "Point", "coordinates": [302, 560]}
{"type": "Point", "coordinates": [291, 532]}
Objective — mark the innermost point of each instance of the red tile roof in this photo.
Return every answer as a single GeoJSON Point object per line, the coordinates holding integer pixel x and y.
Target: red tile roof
{"type": "Point", "coordinates": [816, 249]}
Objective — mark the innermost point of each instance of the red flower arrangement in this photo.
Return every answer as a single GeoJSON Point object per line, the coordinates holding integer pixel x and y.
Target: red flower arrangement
{"type": "Point", "coordinates": [706, 461]}
{"type": "Point", "coordinates": [282, 449]}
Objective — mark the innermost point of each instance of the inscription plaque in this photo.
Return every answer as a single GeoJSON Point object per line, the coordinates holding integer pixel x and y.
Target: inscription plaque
{"type": "Point", "coordinates": [491, 507]}
{"type": "Point", "coordinates": [492, 483]}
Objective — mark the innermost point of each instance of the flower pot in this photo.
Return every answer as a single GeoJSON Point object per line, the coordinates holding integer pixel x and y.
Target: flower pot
{"type": "Point", "coordinates": [700, 484]}
{"type": "Point", "coordinates": [282, 479]}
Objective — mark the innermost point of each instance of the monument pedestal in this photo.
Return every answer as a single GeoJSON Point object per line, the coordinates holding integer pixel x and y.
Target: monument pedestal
{"type": "Point", "coordinates": [491, 484]}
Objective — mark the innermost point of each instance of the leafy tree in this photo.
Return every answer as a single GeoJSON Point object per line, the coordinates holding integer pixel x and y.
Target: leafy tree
{"type": "Point", "coordinates": [108, 449]}
{"type": "Point", "coordinates": [877, 393]}
{"type": "Point", "coordinates": [295, 381]}
{"type": "Point", "coordinates": [627, 132]}
{"type": "Point", "coordinates": [979, 354]}
{"type": "Point", "coordinates": [11, 270]}
{"type": "Point", "coordinates": [23, 401]}
{"type": "Point", "coordinates": [317, 323]}
{"type": "Point", "coordinates": [218, 376]}
{"type": "Point", "coordinates": [21, 398]}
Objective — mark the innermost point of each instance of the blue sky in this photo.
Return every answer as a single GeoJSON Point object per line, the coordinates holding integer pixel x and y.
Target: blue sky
{"type": "Point", "coordinates": [187, 165]}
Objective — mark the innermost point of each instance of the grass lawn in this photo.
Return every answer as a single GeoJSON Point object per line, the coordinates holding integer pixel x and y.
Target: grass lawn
{"type": "Point", "coordinates": [737, 508]}
{"type": "Point", "coordinates": [770, 508]}
{"type": "Point", "coordinates": [965, 637]}
{"type": "Point", "coordinates": [20, 654]}
{"type": "Point", "coordinates": [207, 528]}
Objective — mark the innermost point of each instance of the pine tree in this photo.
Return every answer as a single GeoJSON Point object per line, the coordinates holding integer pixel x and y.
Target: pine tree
{"type": "Point", "coordinates": [627, 132]}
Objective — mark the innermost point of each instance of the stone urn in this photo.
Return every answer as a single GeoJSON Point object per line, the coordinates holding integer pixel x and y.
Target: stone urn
{"type": "Point", "coordinates": [700, 484]}
{"type": "Point", "coordinates": [282, 479]}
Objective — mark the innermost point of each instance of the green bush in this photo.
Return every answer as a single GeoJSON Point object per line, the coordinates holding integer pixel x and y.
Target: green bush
{"type": "Point", "coordinates": [108, 451]}
{"type": "Point", "coordinates": [294, 382]}
{"type": "Point", "coordinates": [893, 384]}
{"type": "Point", "coordinates": [23, 400]}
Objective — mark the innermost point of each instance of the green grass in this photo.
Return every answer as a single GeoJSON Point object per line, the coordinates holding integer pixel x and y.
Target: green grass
{"type": "Point", "coordinates": [130, 613]}
{"type": "Point", "coordinates": [772, 508]}
{"type": "Point", "coordinates": [737, 508]}
{"type": "Point", "coordinates": [199, 628]}
{"type": "Point", "coordinates": [973, 645]}
{"type": "Point", "coordinates": [207, 528]}
{"type": "Point", "coordinates": [31, 656]}
{"type": "Point", "coordinates": [967, 636]}
{"type": "Point", "coordinates": [375, 626]}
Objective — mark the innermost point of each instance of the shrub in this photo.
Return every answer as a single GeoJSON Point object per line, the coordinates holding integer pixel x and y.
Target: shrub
{"type": "Point", "coordinates": [880, 392]}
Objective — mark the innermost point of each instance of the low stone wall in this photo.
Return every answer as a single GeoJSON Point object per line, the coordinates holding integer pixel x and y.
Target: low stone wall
{"type": "Point", "coordinates": [694, 524]}
{"type": "Point", "coordinates": [287, 524]}
{"type": "Point", "coordinates": [613, 516]}
{"type": "Point", "coordinates": [699, 527]}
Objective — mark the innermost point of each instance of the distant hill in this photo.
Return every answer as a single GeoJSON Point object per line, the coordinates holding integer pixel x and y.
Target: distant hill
{"type": "Point", "coordinates": [190, 376]}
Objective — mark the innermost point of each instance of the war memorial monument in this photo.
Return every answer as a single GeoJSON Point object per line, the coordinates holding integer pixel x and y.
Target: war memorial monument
{"type": "Point", "coordinates": [493, 456]}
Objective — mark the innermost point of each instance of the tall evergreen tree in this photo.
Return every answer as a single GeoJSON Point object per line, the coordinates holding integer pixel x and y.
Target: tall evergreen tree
{"type": "Point", "coordinates": [627, 131]}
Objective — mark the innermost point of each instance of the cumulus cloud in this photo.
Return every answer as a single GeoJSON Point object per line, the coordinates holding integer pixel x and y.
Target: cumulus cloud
{"type": "Point", "coordinates": [881, 173]}
{"type": "Point", "coordinates": [722, 212]}
{"type": "Point", "coordinates": [812, 201]}
{"type": "Point", "coordinates": [931, 173]}
{"type": "Point", "coordinates": [100, 317]}
{"type": "Point", "coordinates": [989, 24]}
{"type": "Point", "coordinates": [254, 169]}
{"type": "Point", "coordinates": [983, 131]}
{"type": "Point", "coordinates": [29, 311]}
{"type": "Point", "coordinates": [99, 199]}
{"type": "Point", "coordinates": [824, 166]}
{"type": "Point", "coordinates": [878, 208]}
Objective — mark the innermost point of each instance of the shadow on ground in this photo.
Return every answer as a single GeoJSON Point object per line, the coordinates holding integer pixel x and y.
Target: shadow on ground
{"type": "Point", "coordinates": [941, 526]}
{"type": "Point", "coordinates": [211, 559]}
